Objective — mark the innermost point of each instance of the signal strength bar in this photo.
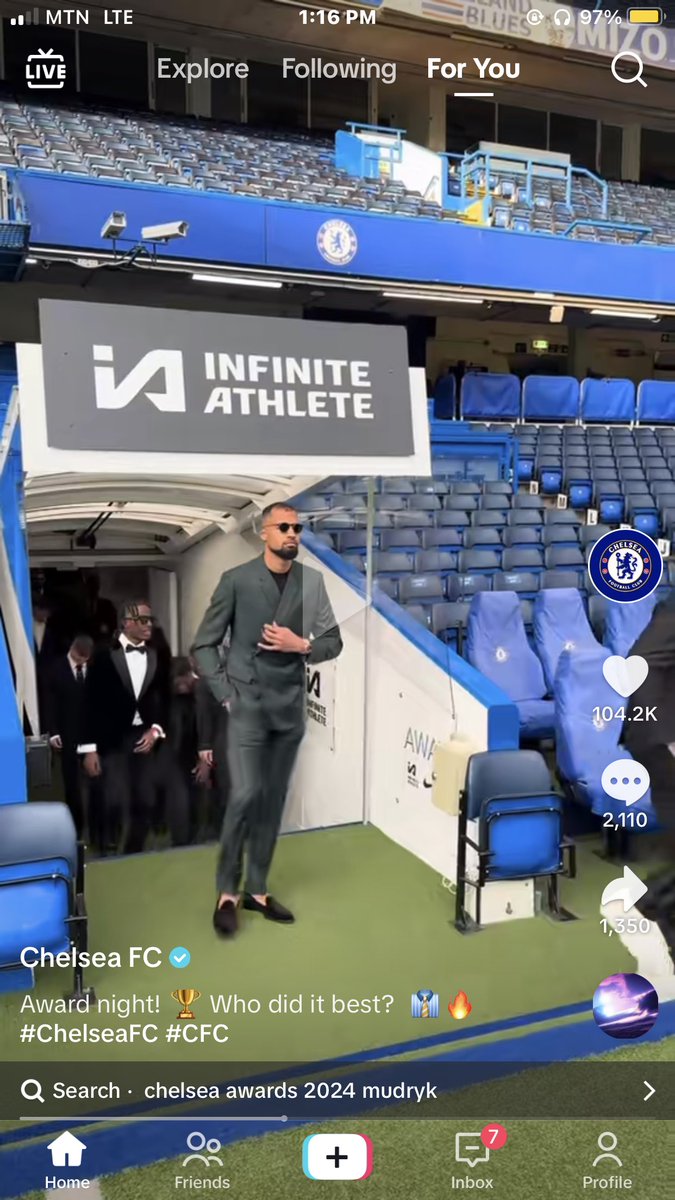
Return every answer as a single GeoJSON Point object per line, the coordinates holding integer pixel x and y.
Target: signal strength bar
{"type": "Point", "coordinates": [32, 17]}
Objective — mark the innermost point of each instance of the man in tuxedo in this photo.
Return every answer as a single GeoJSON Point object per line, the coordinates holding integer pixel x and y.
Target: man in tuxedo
{"type": "Point", "coordinates": [652, 743]}
{"type": "Point", "coordinates": [64, 715]}
{"type": "Point", "coordinates": [126, 708]}
{"type": "Point", "coordinates": [49, 645]}
{"type": "Point", "coordinates": [279, 618]}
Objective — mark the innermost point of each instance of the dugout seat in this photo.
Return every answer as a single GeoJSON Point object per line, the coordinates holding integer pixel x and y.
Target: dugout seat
{"type": "Point", "coordinates": [497, 646]}
{"type": "Point", "coordinates": [516, 830]}
{"type": "Point", "coordinates": [41, 890]}
{"type": "Point", "coordinates": [560, 623]}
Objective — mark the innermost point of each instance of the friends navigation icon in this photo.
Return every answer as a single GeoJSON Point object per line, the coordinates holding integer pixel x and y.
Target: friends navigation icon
{"type": "Point", "coordinates": [629, 889]}
{"type": "Point", "coordinates": [197, 1141]}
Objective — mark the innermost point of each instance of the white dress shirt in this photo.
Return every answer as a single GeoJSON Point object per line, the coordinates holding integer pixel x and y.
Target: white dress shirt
{"type": "Point", "coordinates": [137, 666]}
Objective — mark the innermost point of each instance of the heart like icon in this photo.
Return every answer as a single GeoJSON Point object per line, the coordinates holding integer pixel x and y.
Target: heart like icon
{"type": "Point", "coordinates": [625, 675]}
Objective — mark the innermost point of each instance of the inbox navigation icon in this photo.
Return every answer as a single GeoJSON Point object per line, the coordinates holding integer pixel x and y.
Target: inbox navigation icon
{"type": "Point", "coordinates": [337, 1156]}
{"type": "Point", "coordinates": [470, 1149]}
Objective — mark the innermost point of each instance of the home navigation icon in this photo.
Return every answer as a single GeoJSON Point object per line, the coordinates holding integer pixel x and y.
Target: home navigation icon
{"type": "Point", "coordinates": [66, 1150]}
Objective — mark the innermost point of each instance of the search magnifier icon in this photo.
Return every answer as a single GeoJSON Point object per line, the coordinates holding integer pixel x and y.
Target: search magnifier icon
{"type": "Point", "coordinates": [31, 1089]}
{"type": "Point", "coordinates": [634, 57]}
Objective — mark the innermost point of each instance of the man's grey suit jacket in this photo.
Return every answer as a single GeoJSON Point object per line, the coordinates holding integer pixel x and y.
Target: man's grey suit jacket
{"type": "Point", "coordinates": [245, 599]}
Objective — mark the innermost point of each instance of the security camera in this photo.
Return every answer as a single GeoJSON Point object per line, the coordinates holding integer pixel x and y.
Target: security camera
{"type": "Point", "coordinates": [165, 233]}
{"type": "Point", "coordinates": [115, 225]}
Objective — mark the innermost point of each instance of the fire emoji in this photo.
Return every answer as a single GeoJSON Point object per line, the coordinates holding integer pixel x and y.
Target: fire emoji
{"type": "Point", "coordinates": [459, 1008]}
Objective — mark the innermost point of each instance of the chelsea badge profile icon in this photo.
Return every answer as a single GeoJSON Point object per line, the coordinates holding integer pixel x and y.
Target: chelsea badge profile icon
{"type": "Point", "coordinates": [625, 565]}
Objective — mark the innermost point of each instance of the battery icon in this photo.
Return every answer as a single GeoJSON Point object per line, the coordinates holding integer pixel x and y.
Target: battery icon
{"type": "Point", "coordinates": [645, 16]}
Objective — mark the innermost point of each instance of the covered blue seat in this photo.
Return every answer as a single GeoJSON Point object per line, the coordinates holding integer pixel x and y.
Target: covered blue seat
{"type": "Point", "coordinates": [550, 398]}
{"type": "Point", "coordinates": [519, 834]}
{"type": "Point", "coordinates": [560, 623]}
{"type": "Point", "coordinates": [656, 402]}
{"type": "Point", "coordinates": [625, 622]}
{"type": "Point", "coordinates": [41, 889]}
{"type": "Point", "coordinates": [497, 645]}
{"type": "Point", "coordinates": [585, 742]}
{"type": "Point", "coordinates": [608, 400]}
{"type": "Point", "coordinates": [490, 397]}
{"type": "Point", "coordinates": [449, 621]}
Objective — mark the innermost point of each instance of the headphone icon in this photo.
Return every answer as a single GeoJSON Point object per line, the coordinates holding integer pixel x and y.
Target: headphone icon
{"type": "Point", "coordinates": [565, 14]}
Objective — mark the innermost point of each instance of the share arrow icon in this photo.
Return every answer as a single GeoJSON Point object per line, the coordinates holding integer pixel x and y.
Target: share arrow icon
{"type": "Point", "coordinates": [630, 889]}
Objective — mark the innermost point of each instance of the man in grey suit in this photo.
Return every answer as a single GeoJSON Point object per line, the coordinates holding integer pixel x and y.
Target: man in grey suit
{"type": "Point", "coordinates": [279, 618]}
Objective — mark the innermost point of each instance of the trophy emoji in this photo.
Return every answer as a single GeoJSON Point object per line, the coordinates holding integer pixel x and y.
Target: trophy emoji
{"type": "Point", "coordinates": [186, 997]}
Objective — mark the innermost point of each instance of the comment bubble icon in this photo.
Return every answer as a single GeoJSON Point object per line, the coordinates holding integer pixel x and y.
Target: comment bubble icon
{"type": "Point", "coordinates": [469, 1149]}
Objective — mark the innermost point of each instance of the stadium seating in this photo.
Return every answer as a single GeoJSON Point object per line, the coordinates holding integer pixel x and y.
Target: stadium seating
{"type": "Point", "coordinates": [586, 743]}
{"type": "Point", "coordinates": [624, 623]}
{"type": "Point", "coordinates": [508, 794]}
{"type": "Point", "coordinates": [497, 646]}
{"type": "Point", "coordinates": [234, 160]}
{"type": "Point", "coordinates": [41, 888]}
{"type": "Point", "coordinates": [560, 623]}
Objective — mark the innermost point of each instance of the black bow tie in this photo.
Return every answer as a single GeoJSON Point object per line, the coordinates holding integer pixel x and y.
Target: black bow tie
{"type": "Point", "coordinates": [135, 650]}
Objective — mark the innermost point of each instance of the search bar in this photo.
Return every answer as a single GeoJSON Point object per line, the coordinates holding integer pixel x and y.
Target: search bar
{"type": "Point", "coordinates": [625, 58]}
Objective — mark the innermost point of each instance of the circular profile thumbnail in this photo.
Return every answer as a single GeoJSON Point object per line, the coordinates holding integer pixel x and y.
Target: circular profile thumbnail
{"type": "Point", "coordinates": [625, 1006]}
{"type": "Point", "coordinates": [625, 565]}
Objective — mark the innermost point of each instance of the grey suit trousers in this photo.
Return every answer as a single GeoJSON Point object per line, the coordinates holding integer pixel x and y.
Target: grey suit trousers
{"type": "Point", "coordinates": [261, 757]}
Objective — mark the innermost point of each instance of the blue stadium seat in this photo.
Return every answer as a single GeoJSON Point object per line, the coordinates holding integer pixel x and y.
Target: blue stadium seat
{"type": "Point", "coordinates": [491, 518]}
{"type": "Point", "coordinates": [625, 622]}
{"type": "Point", "coordinates": [413, 519]}
{"type": "Point", "coordinates": [453, 520]}
{"type": "Point", "coordinates": [443, 538]}
{"type": "Point", "coordinates": [525, 583]}
{"type": "Point", "coordinates": [497, 646]}
{"type": "Point", "coordinates": [392, 563]}
{"type": "Point", "coordinates": [401, 487]}
{"type": "Point", "coordinates": [421, 589]}
{"type": "Point", "coordinates": [525, 516]}
{"type": "Point", "coordinates": [522, 535]}
{"type": "Point", "coordinates": [478, 561]}
{"type": "Point", "coordinates": [449, 621]}
{"type": "Point", "coordinates": [525, 500]}
{"type": "Point", "coordinates": [41, 889]}
{"type": "Point", "coordinates": [585, 745]}
{"type": "Point", "coordinates": [597, 610]}
{"type": "Point", "coordinates": [589, 534]}
{"type": "Point", "coordinates": [352, 540]}
{"type": "Point", "coordinates": [523, 558]}
{"type": "Point", "coordinates": [560, 623]}
{"type": "Point", "coordinates": [656, 402]}
{"type": "Point", "coordinates": [465, 487]}
{"type": "Point", "coordinates": [562, 516]}
{"type": "Point", "coordinates": [497, 487]}
{"type": "Point", "coordinates": [325, 539]}
{"type": "Point", "coordinates": [564, 556]}
{"type": "Point", "coordinates": [445, 392]}
{"type": "Point", "coordinates": [441, 562]}
{"type": "Point", "coordinates": [490, 397]}
{"type": "Point", "coordinates": [520, 829]}
{"type": "Point", "coordinates": [496, 500]}
{"type": "Point", "coordinates": [423, 502]}
{"type": "Point", "coordinates": [560, 579]}
{"type": "Point", "coordinates": [463, 585]}
{"type": "Point", "coordinates": [550, 477]}
{"type": "Point", "coordinates": [432, 487]}
{"type": "Point", "coordinates": [561, 535]}
{"type": "Point", "coordinates": [608, 400]}
{"type": "Point", "coordinates": [388, 585]}
{"type": "Point", "coordinates": [402, 539]}
{"type": "Point", "coordinates": [484, 536]}
{"type": "Point", "coordinates": [388, 502]}
{"type": "Point", "coordinates": [460, 501]}
{"type": "Point", "coordinates": [419, 613]}
{"type": "Point", "coordinates": [550, 398]}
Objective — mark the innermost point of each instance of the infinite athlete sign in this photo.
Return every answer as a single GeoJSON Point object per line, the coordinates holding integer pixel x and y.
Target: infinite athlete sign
{"type": "Point", "coordinates": [119, 378]}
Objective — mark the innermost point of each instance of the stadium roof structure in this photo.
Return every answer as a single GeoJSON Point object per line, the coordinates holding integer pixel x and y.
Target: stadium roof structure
{"type": "Point", "coordinates": [139, 518]}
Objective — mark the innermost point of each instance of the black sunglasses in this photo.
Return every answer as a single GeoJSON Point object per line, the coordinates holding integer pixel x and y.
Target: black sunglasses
{"type": "Point", "coordinates": [284, 526]}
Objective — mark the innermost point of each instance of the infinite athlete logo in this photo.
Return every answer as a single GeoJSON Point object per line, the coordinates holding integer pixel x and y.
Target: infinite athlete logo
{"type": "Point", "coordinates": [625, 565]}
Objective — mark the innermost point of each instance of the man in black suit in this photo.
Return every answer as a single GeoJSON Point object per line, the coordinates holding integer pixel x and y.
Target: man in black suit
{"type": "Point", "coordinates": [279, 618]}
{"type": "Point", "coordinates": [126, 709]}
{"type": "Point", "coordinates": [49, 644]}
{"type": "Point", "coordinates": [64, 715]}
{"type": "Point", "coordinates": [652, 743]}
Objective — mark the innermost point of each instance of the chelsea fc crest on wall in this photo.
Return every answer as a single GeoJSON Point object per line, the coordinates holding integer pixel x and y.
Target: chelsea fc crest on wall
{"type": "Point", "coordinates": [337, 242]}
